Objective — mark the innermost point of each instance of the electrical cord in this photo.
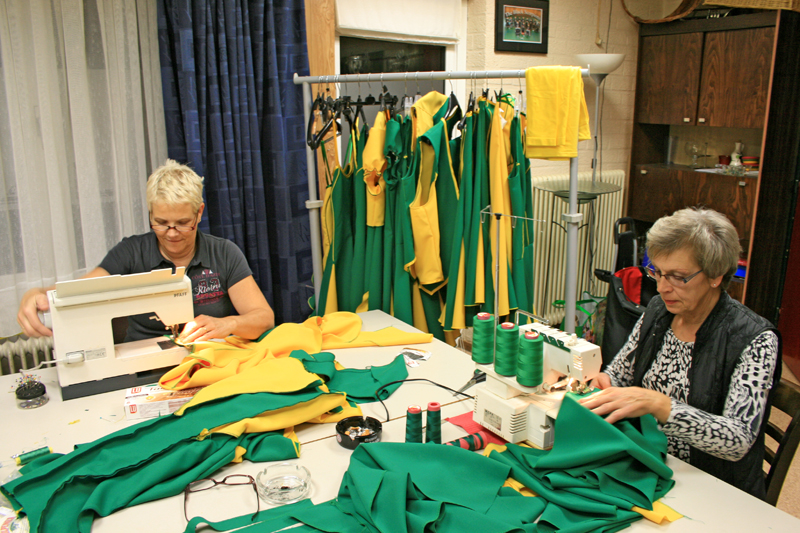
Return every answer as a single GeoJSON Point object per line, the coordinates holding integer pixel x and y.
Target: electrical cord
{"type": "Point", "coordinates": [378, 391]}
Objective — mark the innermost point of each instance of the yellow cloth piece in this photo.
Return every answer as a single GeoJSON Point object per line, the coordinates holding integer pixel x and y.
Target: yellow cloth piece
{"type": "Point", "coordinates": [238, 454]}
{"type": "Point", "coordinates": [272, 375]}
{"type": "Point", "coordinates": [374, 165]}
{"type": "Point", "coordinates": [519, 487]}
{"type": "Point", "coordinates": [556, 111]}
{"type": "Point", "coordinates": [659, 514]}
{"type": "Point", "coordinates": [501, 203]}
{"type": "Point", "coordinates": [492, 447]}
{"type": "Point", "coordinates": [288, 416]}
{"type": "Point", "coordinates": [215, 361]}
{"type": "Point", "coordinates": [422, 113]}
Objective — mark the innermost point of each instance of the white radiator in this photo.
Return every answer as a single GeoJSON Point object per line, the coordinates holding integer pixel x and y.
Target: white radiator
{"type": "Point", "coordinates": [23, 353]}
{"type": "Point", "coordinates": [550, 257]}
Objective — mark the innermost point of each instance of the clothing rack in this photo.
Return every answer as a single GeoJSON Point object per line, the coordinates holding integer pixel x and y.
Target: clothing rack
{"type": "Point", "coordinates": [572, 219]}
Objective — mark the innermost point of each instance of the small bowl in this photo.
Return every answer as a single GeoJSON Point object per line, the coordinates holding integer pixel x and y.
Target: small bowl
{"type": "Point", "coordinates": [283, 483]}
{"type": "Point", "coordinates": [353, 430]}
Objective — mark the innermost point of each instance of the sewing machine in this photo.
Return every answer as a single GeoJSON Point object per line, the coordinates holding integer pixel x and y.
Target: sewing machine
{"type": "Point", "coordinates": [518, 413]}
{"type": "Point", "coordinates": [83, 340]}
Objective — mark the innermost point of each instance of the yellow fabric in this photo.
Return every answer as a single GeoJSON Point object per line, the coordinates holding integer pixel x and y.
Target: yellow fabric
{"type": "Point", "coordinates": [424, 215]}
{"type": "Point", "coordinates": [501, 203]}
{"type": "Point", "coordinates": [214, 361]}
{"type": "Point", "coordinates": [556, 110]}
{"type": "Point", "coordinates": [659, 514]}
{"type": "Point", "coordinates": [272, 375]}
{"type": "Point", "coordinates": [374, 165]}
{"type": "Point", "coordinates": [422, 113]}
{"type": "Point", "coordinates": [519, 487]}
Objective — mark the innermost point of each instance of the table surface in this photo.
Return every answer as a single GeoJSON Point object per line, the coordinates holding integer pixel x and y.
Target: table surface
{"type": "Point", "coordinates": [707, 503]}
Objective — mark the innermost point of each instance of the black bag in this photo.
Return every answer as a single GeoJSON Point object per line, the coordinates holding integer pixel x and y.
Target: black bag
{"type": "Point", "coordinates": [629, 291]}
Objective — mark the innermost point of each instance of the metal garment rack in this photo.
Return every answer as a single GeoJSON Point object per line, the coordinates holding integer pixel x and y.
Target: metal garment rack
{"type": "Point", "coordinates": [314, 204]}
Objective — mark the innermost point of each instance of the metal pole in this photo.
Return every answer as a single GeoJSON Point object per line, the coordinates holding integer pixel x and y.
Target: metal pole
{"type": "Point", "coordinates": [572, 220]}
{"type": "Point", "coordinates": [313, 204]}
{"type": "Point", "coordinates": [403, 76]}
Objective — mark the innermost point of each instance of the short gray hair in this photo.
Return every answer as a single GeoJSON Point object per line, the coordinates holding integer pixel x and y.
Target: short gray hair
{"type": "Point", "coordinates": [173, 184]}
{"type": "Point", "coordinates": [708, 235]}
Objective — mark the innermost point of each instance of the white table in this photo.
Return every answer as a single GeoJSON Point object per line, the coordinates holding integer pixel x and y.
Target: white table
{"type": "Point", "coordinates": [707, 503]}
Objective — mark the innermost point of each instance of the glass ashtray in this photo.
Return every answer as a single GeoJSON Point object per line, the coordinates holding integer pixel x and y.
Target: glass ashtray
{"type": "Point", "coordinates": [283, 483]}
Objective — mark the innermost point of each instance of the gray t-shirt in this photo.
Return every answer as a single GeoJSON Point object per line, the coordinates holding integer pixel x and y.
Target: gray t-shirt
{"type": "Point", "coordinates": [217, 265]}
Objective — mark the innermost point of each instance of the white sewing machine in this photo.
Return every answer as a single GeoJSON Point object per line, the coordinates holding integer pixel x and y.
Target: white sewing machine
{"type": "Point", "coordinates": [518, 413]}
{"type": "Point", "coordinates": [83, 340]}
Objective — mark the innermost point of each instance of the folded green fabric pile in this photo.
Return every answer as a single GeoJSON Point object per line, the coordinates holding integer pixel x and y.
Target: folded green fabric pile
{"type": "Point", "coordinates": [588, 482]}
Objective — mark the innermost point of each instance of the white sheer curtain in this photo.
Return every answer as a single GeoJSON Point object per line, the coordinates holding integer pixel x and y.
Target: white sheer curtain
{"type": "Point", "coordinates": [81, 128]}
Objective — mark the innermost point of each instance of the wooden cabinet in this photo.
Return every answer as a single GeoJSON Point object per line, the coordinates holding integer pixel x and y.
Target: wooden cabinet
{"type": "Point", "coordinates": [660, 190]}
{"type": "Point", "coordinates": [715, 78]}
{"type": "Point", "coordinates": [669, 77]}
{"type": "Point", "coordinates": [735, 78]}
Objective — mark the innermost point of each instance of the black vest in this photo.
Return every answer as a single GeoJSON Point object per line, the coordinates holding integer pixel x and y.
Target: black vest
{"type": "Point", "coordinates": [718, 345]}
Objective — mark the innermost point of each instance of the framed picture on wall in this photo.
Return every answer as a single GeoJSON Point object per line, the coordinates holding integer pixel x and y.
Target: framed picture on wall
{"type": "Point", "coordinates": [521, 26]}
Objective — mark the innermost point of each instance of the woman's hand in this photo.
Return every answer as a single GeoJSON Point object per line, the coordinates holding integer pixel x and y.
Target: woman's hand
{"type": "Point", "coordinates": [602, 381]}
{"type": "Point", "coordinates": [205, 327]}
{"type": "Point", "coordinates": [33, 301]}
{"type": "Point", "coordinates": [628, 402]}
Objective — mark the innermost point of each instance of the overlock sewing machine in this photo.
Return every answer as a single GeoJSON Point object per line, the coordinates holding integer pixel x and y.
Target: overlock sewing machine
{"type": "Point", "coordinates": [518, 413]}
{"type": "Point", "coordinates": [81, 312]}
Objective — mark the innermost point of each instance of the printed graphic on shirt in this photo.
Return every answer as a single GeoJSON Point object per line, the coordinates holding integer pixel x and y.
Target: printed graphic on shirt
{"type": "Point", "coordinates": [207, 288]}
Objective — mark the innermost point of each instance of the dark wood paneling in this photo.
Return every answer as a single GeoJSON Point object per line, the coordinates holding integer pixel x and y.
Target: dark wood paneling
{"type": "Point", "coordinates": [669, 77]}
{"type": "Point", "coordinates": [734, 197]}
{"type": "Point", "coordinates": [656, 192]}
{"type": "Point", "coordinates": [735, 78]}
{"type": "Point", "coordinates": [756, 20]}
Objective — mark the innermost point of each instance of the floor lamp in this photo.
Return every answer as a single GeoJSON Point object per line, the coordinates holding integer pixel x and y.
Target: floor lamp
{"type": "Point", "coordinates": [600, 66]}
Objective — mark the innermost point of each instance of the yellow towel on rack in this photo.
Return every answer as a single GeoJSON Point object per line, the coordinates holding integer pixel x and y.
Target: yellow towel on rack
{"type": "Point", "coordinates": [557, 114]}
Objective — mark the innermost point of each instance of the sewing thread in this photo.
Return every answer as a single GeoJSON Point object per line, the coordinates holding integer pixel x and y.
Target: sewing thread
{"type": "Point", "coordinates": [530, 359]}
{"type": "Point", "coordinates": [483, 339]}
{"type": "Point", "coordinates": [505, 360]}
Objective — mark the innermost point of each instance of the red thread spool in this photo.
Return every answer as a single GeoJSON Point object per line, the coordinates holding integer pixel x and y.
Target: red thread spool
{"type": "Point", "coordinates": [483, 316]}
{"type": "Point", "coordinates": [507, 325]}
{"type": "Point", "coordinates": [532, 335]}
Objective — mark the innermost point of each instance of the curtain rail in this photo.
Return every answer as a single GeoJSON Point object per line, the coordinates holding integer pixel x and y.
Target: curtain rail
{"type": "Point", "coordinates": [417, 76]}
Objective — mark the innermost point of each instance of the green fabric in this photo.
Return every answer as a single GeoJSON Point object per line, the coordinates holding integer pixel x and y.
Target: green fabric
{"type": "Point", "coordinates": [358, 221]}
{"type": "Point", "coordinates": [520, 187]}
{"type": "Point", "coordinates": [270, 519]}
{"type": "Point", "coordinates": [360, 385]}
{"type": "Point", "coordinates": [588, 482]}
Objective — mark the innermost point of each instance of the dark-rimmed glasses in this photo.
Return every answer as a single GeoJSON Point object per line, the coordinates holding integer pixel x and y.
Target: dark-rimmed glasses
{"type": "Point", "coordinates": [672, 279]}
{"type": "Point", "coordinates": [163, 228]}
{"type": "Point", "coordinates": [209, 483]}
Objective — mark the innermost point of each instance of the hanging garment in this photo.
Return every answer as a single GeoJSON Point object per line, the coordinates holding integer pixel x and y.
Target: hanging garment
{"type": "Point", "coordinates": [521, 193]}
{"type": "Point", "coordinates": [337, 233]}
{"type": "Point", "coordinates": [374, 167]}
{"type": "Point", "coordinates": [357, 301]}
{"type": "Point", "coordinates": [557, 113]}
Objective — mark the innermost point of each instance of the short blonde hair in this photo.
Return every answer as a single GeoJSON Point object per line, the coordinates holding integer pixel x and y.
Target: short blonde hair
{"type": "Point", "coordinates": [173, 183]}
{"type": "Point", "coordinates": [708, 235]}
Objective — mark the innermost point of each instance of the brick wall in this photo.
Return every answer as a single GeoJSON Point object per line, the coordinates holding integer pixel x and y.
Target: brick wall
{"type": "Point", "coordinates": [573, 27]}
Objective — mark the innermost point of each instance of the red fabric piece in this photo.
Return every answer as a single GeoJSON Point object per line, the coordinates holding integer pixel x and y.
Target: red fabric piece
{"type": "Point", "coordinates": [631, 283]}
{"type": "Point", "coordinates": [466, 422]}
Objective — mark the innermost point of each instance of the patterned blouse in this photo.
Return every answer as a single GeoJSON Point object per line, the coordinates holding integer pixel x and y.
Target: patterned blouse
{"type": "Point", "coordinates": [728, 436]}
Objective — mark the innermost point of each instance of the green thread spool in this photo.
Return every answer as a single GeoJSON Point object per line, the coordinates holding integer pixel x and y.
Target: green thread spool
{"type": "Point", "coordinates": [483, 339]}
{"type": "Point", "coordinates": [505, 360]}
{"type": "Point", "coordinates": [414, 424]}
{"type": "Point", "coordinates": [530, 359]}
{"type": "Point", "coordinates": [433, 423]}
{"type": "Point", "coordinates": [25, 458]}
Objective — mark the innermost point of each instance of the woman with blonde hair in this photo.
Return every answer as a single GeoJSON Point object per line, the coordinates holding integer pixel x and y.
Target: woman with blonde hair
{"type": "Point", "coordinates": [226, 298]}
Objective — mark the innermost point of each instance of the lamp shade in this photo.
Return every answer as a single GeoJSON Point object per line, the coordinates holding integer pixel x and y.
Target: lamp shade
{"type": "Point", "coordinates": [600, 63]}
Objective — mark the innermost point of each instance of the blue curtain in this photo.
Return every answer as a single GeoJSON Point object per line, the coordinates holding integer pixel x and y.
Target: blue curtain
{"type": "Point", "coordinates": [234, 115]}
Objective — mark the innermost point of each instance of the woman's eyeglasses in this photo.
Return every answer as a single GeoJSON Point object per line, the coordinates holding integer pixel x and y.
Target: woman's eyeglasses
{"type": "Point", "coordinates": [672, 279]}
{"type": "Point", "coordinates": [209, 483]}
{"type": "Point", "coordinates": [162, 228]}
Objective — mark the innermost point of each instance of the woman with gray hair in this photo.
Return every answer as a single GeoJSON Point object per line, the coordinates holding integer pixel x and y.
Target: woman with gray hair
{"type": "Point", "coordinates": [698, 361]}
{"type": "Point", "coordinates": [226, 298]}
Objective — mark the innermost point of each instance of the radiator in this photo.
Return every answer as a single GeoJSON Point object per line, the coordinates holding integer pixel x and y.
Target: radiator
{"type": "Point", "coordinates": [20, 352]}
{"type": "Point", "coordinates": [550, 256]}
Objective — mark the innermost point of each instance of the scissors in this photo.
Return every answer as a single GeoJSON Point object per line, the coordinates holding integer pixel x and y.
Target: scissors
{"type": "Point", "coordinates": [477, 377]}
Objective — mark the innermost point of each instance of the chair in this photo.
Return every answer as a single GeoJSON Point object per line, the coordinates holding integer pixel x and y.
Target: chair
{"type": "Point", "coordinates": [787, 400]}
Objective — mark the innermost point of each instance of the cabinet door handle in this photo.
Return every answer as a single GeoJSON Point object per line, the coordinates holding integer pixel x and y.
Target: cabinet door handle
{"type": "Point", "coordinates": [643, 172]}
{"type": "Point", "coordinates": [742, 184]}
{"type": "Point", "coordinates": [701, 120]}
{"type": "Point", "coordinates": [687, 119]}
